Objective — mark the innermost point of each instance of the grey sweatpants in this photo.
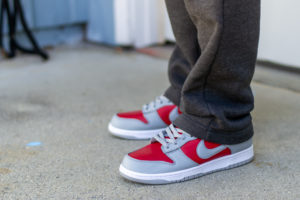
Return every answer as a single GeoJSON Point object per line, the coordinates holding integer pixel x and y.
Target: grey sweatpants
{"type": "Point", "coordinates": [212, 66]}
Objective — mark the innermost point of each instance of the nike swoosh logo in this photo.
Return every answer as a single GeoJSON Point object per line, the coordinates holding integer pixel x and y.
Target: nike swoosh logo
{"type": "Point", "coordinates": [199, 153]}
{"type": "Point", "coordinates": [174, 114]}
{"type": "Point", "coordinates": [205, 153]}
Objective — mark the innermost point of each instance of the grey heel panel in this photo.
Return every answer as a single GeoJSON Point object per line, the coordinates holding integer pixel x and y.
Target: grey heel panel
{"type": "Point", "coordinates": [240, 147]}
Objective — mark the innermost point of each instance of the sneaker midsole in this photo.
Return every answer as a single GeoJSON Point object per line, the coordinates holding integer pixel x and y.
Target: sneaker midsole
{"type": "Point", "coordinates": [211, 166]}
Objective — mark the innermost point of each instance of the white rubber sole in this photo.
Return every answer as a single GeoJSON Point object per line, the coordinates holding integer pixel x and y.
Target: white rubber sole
{"type": "Point", "coordinates": [133, 134]}
{"type": "Point", "coordinates": [223, 163]}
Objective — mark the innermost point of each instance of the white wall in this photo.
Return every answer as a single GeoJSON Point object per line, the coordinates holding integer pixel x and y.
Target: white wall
{"type": "Point", "coordinates": [139, 22]}
{"type": "Point", "coordinates": [145, 22]}
{"type": "Point", "coordinates": [280, 32]}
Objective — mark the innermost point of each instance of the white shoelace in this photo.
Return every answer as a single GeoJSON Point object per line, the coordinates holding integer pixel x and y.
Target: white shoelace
{"type": "Point", "coordinates": [154, 104]}
{"type": "Point", "coordinates": [170, 136]}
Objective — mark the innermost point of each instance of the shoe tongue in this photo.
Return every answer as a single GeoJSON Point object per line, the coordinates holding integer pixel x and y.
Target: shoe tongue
{"type": "Point", "coordinates": [176, 127]}
{"type": "Point", "coordinates": [178, 130]}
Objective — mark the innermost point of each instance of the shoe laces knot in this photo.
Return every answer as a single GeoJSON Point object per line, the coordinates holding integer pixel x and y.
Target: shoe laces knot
{"type": "Point", "coordinates": [170, 136]}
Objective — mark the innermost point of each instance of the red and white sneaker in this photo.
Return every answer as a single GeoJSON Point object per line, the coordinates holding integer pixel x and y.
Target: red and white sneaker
{"type": "Point", "coordinates": [145, 123]}
{"type": "Point", "coordinates": [175, 156]}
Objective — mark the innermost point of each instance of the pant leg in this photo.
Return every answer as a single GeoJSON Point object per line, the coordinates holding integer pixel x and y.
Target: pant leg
{"type": "Point", "coordinates": [186, 51]}
{"type": "Point", "coordinates": [216, 98]}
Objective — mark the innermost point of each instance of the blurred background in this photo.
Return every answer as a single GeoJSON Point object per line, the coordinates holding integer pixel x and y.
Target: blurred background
{"type": "Point", "coordinates": [108, 56]}
{"type": "Point", "coordinates": [141, 23]}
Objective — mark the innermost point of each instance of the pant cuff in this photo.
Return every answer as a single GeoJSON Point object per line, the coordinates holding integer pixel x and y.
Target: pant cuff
{"type": "Point", "coordinates": [173, 95]}
{"type": "Point", "coordinates": [196, 128]}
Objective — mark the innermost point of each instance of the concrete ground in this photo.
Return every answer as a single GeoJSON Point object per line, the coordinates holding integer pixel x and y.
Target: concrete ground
{"type": "Point", "coordinates": [66, 103]}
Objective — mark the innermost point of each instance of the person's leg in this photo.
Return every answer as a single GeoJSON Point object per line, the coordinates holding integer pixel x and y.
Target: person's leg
{"type": "Point", "coordinates": [178, 71]}
{"type": "Point", "coordinates": [216, 96]}
{"type": "Point", "coordinates": [146, 123]}
{"type": "Point", "coordinates": [186, 51]}
{"type": "Point", "coordinates": [214, 132]}
{"type": "Point", "coordinates": [160, 113]}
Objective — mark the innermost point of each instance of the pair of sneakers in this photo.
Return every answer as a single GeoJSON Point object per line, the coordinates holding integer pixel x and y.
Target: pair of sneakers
{"type": "Point", "coordinates": [173, 155]}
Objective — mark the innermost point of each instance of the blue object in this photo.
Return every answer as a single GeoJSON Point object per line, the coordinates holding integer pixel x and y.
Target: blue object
{"type": "Point", "coordinates": [101, 24]}
{"type": "Point", "coordinates": [34, 144]}
{"type": "Point", "coordinates": [53, 21]}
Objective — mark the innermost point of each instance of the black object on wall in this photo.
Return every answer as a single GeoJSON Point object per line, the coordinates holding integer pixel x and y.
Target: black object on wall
{"type": "Point", "coordinates": [12, 16]}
